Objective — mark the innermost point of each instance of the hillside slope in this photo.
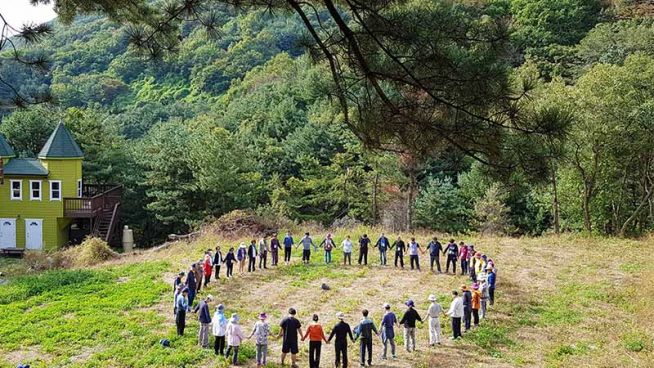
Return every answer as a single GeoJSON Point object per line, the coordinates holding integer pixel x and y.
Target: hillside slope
{"type": "Point", "coordinates": [562, 302]}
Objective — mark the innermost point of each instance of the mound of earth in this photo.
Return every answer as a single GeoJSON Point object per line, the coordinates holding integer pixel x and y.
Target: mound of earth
{"type": "Point", "coordinates": [241, 223]}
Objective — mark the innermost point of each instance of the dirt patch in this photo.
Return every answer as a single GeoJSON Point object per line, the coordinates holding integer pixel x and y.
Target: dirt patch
{"type": "Point", "coordinates": [27, 355]}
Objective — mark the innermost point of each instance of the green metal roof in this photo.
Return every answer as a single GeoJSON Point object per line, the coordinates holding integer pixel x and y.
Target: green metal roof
{"type": "Point", "coordinates": [61, 144]}
{"type": "Point", "coordinates": [25, 167]}
{"type": "Point", "coordinates": [5, 148]}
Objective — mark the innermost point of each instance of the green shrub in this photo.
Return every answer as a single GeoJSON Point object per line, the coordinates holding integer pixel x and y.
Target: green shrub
{"type": "Point", "coordinates": [635, 341]}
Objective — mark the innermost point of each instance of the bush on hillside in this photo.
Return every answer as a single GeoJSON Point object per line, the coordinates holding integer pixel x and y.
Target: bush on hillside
{"type": "Point", "coordinates": [91, 252]}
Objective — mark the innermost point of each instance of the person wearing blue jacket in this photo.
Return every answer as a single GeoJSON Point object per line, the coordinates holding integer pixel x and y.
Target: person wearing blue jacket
{"type": "Point", "coordinates": [435, 249]}
{"type": "Point", "coordinates": [181, 306]}
{"type": "Point", "coordinates": [388, 322]}
{"type": "Point", "coordinates": [364, 332]}
{"type": "Point", "coordinates": [288, 247]}
{"type": "Point", "coordinates": [382, 245]}
{"type": "Point", "coordinates": [191, 284]}
{"type": "Point", "coordinates": [491, 284]}
{"type": "Point", "coordinates": [204, 316]}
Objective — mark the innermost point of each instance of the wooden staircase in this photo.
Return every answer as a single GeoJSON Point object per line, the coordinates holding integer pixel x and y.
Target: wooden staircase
{"type": "Point", "coordinates": [100, 204]}
{"type": "Point", "coordinates": [106, 222]}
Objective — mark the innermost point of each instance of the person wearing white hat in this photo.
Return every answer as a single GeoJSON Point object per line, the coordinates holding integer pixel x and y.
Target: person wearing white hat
{"type": "Point", "coordinates": [434, 311]}
{"type": "Point", "coordinates": [341, 331]}
{"type": "Point", "coordinates": [204, 316]}
{"type": "Point", "coordinates": [234, 338]}
{"type": "Point", "coordinates": [260, 331]}
{"type": "Point", "coordinates": [387, 331]}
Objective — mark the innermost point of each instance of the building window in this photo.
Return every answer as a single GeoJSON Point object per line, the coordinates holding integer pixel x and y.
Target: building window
{"type": "Point", "coordinates": [35, 190]}
{"type": "Point", "coordinates": [79, 188]}
{"type": "Point", "coordinates": [55, 190]}
{"type": "Point", "coordinates": [16, 190]}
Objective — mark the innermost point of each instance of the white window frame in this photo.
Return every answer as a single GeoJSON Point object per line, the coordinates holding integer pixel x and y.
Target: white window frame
{"type": "Point", "coordinates": [32, 197]}
{"type": "Point", "coordinates": [79, 188]}
{"type": "Point", "coordinates": [20, 190]}
{"type": "Point", "coordinates": [59, 190]}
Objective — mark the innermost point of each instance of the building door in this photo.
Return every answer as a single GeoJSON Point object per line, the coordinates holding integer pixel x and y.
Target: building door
{"type": "Point", "coordinates": [34, 234]}
{"type": "Point", "coordinates": [7, 233]}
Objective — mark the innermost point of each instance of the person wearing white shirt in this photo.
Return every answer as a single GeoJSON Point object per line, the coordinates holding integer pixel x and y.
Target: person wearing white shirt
{"type": "Point", "coordinates": [434, 311]}
{"type": "Point", "coordinates": [347, 250]}
{"type": "Point", "coordinates": [456, 313]}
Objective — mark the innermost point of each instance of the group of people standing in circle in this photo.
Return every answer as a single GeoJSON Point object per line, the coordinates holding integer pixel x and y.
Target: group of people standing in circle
{"type": "Point", "coordinates": [467, 307]}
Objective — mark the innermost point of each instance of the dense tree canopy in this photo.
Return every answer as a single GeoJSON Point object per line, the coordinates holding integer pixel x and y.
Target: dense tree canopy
{"type": "Point", "coordinates": [498, 116]}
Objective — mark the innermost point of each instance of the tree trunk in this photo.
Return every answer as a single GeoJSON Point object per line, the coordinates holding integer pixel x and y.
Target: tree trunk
{"type": "Point", "coordinates": [636, 212]}
{"type": "Point", "coordinates": [586, 208]}
{"type": "Point", "coordinates": [555, 204]}
{"type": "Point", "coordinates": [374, 199]}
{"type": "Point", "coordinates": [409, 202]}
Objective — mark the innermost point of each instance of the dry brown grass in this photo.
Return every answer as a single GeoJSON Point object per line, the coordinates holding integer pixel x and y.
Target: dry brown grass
{"type": "Point", "coordinates": [565, 301]}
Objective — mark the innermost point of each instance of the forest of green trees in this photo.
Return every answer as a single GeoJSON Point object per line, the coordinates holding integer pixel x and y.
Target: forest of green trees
{"type": "Point", "coordinates": [245, 121]}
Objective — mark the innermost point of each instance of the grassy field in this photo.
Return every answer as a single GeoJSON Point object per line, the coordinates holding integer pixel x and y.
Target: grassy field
{"type": "Point", "coordinates": [564, 301]}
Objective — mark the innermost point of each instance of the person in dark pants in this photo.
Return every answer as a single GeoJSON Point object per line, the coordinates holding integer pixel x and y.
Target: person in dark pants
{"type": "Point", "coordinates": [452, 251]}
{"type": "Point", "coordinates": [290, 328]}
{"type": "Point", "coordinates": [341, 331]}
{"type": "Point", "coordinates": [306, 242]}
{"type": "Point", "coordinates": [463, 256]}
{"type": "Point", "coordinates": [467, 307]}
{"type": "Point", "coordinates": [456, 313]}
{"type": "Point", "coordinates": [316, 337]}
{"type": "Point", "coordinates": [219, 329]}
{"type": "Point", "coordinates": [274, 249]}
{"type": "Point", "coordinates": [382, 245]}
{"type": "Point", "coordinates": [230, 259]}
{"type": "Point", "coordinates": [476, 303]}
{"type": "Point", "coordinates": [347, 251]}
{"type": "Point", "coordinates": [491, 284]}
{"type": "Point", "coordinates": [252, 256]}
{"type": "Point", "coordinates": [217, 262]}
{"type": "Point", "coordinates": [363, 249]}
{"type": "Point", "coordinates": [191, 284]}
{"type": "Point", "coordinates": [263, 253]}
{"type": "Point", "coordinates": [181, 306]}
{"type": "Point", "coordinates": [435, 249]}
{"type": "Point", "coordinates": [400, 247]}
{"type": "Point", "coordinates": [414, 248]}
{"type": "Point", "coordinates": [288, 247]}
{"type": "Point", "coordinates": [364, 332]}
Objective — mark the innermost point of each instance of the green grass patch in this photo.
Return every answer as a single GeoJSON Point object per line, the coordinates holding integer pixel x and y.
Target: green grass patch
{"type": "Point", "coordinates": [68, 312]}
{"type": "Point", "coordinates": [563, 351]}
{"type": "Point", "coordinates": [635, 341]}
{"type": "Point", "coordinates": [632, 268]}
{"type": "Point", "coordinates": [490, 336]}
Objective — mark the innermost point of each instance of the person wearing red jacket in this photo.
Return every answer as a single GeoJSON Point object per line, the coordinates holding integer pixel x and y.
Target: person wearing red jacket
{"type": "Point", "coordinates": [207, 267]}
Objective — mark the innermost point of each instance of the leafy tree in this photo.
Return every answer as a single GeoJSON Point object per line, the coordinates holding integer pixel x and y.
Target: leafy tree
{"type": "Point", "coordinates": [28, 130]}
{"type": "Point", "coordinates": [454, 89]}
{"type": "Point", "coordinates": [539, 23]}
{"type": "Point", "coordinates": [613, 42]}
{"type": "Point", "coordinates": [106, 159]}
{"type": "Point", "coordinates": [440, 207]}
{"type": "Point", "coordinates": [612, 145]}
{"type": "Point", "coordinates": [491, 215]}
